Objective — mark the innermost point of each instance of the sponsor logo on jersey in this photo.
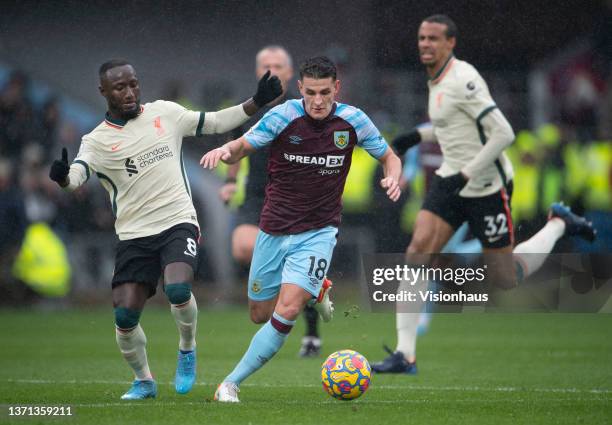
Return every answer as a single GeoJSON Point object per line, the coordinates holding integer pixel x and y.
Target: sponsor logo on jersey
{"type": "Point", "coordinates": [341, 139]}
{"type": "Point", "coordinates": [154, 156]}
{"type": "Point", "coordinates": [330, 161]}
{"type": "Point", "coordinates": [130, 167]}
{"type": "Point", "coordinates": [116, 146]}
{"type": "Point", "coordinates": [470, 85]}
{"type": "Point", "coordinates": [295, 140]}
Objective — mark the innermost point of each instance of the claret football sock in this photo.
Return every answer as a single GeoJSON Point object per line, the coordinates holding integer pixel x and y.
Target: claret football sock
{"type": "Point", "coordinates": [186, 317]}
{"type": "Point", "coordinates": [264, 345]}
{"type": "Point", "coordinates": [132, 344]}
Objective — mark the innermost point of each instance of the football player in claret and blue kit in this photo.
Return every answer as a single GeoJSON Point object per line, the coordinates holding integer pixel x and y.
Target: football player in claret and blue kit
{"type": "Point", "coordinates": [311, 141]}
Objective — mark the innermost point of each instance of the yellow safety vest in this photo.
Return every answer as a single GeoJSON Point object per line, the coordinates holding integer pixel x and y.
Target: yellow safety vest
{"type": "Point", "coordinates": [42, 262]}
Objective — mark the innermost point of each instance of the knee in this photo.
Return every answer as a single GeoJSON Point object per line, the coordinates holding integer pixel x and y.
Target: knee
{"type": "Point", "coordinates": [259, 316]}
{"type": "Point", "coordinates": [289, 311]}
{"type": "Point", "coordinates": [419, 244]}
{"type": "Point", "coordinates": [178, 293]}
{"type": "Point", "coordinates": [242, 254]}
{"type": "Point", "coordinates": [126, 318]}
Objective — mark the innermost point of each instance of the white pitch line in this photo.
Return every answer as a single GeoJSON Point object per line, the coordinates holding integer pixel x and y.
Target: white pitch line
{"type": "Point", "coordinates": [384, 387]}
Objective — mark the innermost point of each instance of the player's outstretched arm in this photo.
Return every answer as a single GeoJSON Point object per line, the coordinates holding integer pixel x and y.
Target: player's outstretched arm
{"type": "Point", "coordinates": [229, 153]}
{"type": "Point", "coordinates": [392, 168]}
{"type": "Point", "coordinates": [268, 89]}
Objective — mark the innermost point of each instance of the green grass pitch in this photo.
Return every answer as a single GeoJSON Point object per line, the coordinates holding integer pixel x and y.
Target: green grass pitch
{"type": "Point", "coordinates": [473, 368]}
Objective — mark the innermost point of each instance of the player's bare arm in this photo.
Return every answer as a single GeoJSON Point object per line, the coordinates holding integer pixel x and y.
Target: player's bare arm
{"type": "Point", "coordinates": [230, 153]}
{"type": "Point", "coordinates": [392, 168]}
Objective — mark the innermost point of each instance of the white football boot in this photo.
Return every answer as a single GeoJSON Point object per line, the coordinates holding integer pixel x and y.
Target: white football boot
{"type": "Point", "coordinates": [324, 306]}
{"type": "Point", "coordinates": [227, 392]}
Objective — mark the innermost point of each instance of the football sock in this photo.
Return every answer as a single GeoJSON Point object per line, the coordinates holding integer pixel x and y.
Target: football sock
{"type": "Point", "coordinates": [312, 317]}
{"type": "Point", "coordinates": [132, 345]}
{"type": "Point", "coordinates": [264, 345]}
{"type": "Point", "coordinates": [407, 323]}
{"type": "Point", "coordinates": [186, 317]}
{"type": "Point", "coordinates": [530, 255]}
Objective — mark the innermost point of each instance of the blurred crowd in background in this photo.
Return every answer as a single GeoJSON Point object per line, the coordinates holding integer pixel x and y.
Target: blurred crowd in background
{"type": "Point", "coordinates": [566, 156]}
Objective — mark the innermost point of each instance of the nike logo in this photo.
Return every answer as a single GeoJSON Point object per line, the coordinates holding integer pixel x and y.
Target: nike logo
{"type": "Point", "coordinates": [115, 146]}
{"type": "Point", "coordinates": [495, 239]}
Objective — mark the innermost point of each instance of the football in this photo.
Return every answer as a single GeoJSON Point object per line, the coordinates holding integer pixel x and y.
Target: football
{"type": "Point", "coordinates": [345, 375]}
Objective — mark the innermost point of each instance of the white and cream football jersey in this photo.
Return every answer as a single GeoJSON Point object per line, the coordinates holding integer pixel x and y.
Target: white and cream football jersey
{"type": "Point", "coordinates": [459, 99]}
{"type": "Point", "coordinates": [140, 164]}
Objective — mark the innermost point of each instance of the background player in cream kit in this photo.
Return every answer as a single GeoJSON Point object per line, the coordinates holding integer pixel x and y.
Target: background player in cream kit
{"type": "Point", "coordinates": [473, 184]}
{"type": "Point", "coordinates": [136, 152]}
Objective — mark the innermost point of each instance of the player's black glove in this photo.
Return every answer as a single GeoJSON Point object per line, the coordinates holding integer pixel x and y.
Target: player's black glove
{"type": "Point", "coordinates": [404, 142]}
{"type": "Point", "coordinates": [60, 169]}
{"type": "Point", "coordinates": [268, 89]}
{"type": "Point", "coordinates": [453, 183]}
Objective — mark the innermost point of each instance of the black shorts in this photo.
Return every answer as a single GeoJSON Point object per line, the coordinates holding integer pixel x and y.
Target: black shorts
{"type": "Point", "coordinates": [142, 260]}
{"type": "Point", "coordinates": [249, 212]}
{"type": "Point", "coordinates": [489, 217]}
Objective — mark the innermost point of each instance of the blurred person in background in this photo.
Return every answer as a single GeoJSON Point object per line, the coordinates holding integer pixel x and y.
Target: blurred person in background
{"type": "Point", "coordinates": [16, 116]}
{"type": "Point", "coordinates": [13, 223]}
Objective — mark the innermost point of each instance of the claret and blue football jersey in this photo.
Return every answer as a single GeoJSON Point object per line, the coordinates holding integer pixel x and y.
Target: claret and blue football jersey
{"type": "Point", "coordinates": [309, 162]}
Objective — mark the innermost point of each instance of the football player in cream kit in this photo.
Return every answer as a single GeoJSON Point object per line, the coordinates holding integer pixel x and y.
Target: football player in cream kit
{"type": "Point", "coordinates": [136, 152]}
{"type": "Point", "coordinates": [474, 182]}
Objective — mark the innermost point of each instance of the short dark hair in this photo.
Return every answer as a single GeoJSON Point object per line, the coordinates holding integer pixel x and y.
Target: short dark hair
{"type": "Point", "coordinates": [318, 67]}
{"type": "Point", "coordinates": [113, 63]}
{"type": "Point", "coordinates": [451, 27]}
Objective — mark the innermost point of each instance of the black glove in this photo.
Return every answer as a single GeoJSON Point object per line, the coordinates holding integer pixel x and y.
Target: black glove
{"type": "Point", "coordinates": [268, 89]}
{"type": "Point", "coordinates": [404, 142]}
{"type": "Point", "coordinates": [453, 183]}
{"type": "Point", "coordinates": [60, 169]}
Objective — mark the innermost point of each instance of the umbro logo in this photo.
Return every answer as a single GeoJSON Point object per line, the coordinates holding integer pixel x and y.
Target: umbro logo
{"type": "Point", "coordinates": [295, 140]}
{"type": "Point", "coordinates": [130, 167]}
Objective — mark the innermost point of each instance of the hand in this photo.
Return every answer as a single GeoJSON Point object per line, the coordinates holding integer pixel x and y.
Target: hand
{"type": "Point", "coordinates": [393, 189]}
{"type": "Point", "coordinates": [404, 142]}
{"type": "Point", "coordinates": [268, 89]}
{"type": "Point", "coordinates": [60, 169]}
{"type": "Point", "coordinates": [227, 191]}
{"type": "Point", "coordinates": [453, 183]}
{"type": "Point", "coordinates": [211, 159]}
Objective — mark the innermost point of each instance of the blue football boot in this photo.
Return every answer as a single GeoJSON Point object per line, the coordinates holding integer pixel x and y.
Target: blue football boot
{"type": "Point", "coordinates": [574, 224]}
{"type": "Point", "coordinates": [185, 371]}
{"type": "Point", "coordinates": [141, 390]}
{"type": "Point", "coordinates": [395, 363]}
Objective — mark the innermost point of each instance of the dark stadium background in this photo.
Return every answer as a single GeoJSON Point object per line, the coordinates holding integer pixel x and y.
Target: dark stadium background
{"type": "Point", "coordinates": [201, 54]}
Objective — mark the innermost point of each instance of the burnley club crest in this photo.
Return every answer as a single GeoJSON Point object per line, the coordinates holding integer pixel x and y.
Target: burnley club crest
{"type": "Point", "coordinates": [341, 139]}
